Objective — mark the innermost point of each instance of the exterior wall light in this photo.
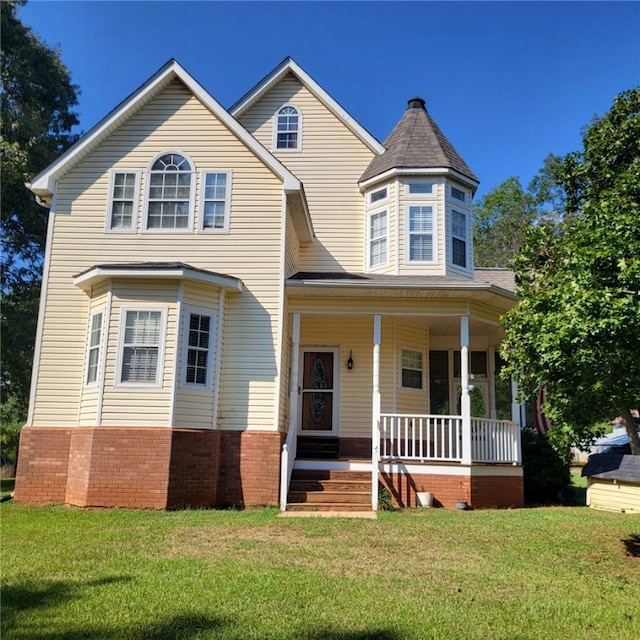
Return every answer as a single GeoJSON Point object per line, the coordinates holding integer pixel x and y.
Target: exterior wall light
{"type": "Point", "coordinates": [350, 360]}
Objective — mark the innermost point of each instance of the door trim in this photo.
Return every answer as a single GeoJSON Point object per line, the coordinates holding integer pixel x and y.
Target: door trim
{"type": "Point", "coordinates": [335, 417]}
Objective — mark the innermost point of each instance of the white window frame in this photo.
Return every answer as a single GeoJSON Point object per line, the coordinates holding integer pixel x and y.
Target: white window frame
{"type": "Point", "coordinates": [192, 195]}
{"type": "Point", "coordinates": [465, 239]}
{"type": "Point", "coordinates": [135, 201]}
{"type": "Point", "coordinates": [376, 203]}
{"type": "Point", "coordinates": [99, 347]}
{"type": "Point", "coordinates": [203, 200]}
{"type": "Point", "coordinates": [421, 369]}
{"type": "Point", "coordinates": [433, 184]}
{"type": "Point", "coordinates": [370, 239]}
{"type": "Point", "coordinates": [462, 192]}
{"type": "Point", "coordinates": [157, 384]}
{"type": "Point", "coordinates": [409, 233]}
{"type": "Point", "coordinates": [274, 141]}
{"type": "Point", "coordinates": [188, 312]}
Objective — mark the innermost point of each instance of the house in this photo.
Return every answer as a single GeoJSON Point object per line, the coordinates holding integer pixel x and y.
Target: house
{"type": "Point", "coordinates": [265, 305]}
{"type": "Point", "coordinates": [613, 482]}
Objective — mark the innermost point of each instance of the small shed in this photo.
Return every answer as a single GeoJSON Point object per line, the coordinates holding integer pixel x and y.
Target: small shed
{"type": "Point", "coordinates": [613, 482]}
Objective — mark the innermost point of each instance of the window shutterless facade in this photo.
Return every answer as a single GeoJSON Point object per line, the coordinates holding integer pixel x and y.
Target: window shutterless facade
{"type": "Point", "coordinates": [411, 369]}
{"type": "Point", "coordinates": [94, 347]}
{"type": "Point", "coordinates": [198, 334]}
{"type": "Point", "coordinates": [287, 134]}
{"type": "Point", "coordinates": [124, 196]}
{"type": "Point", "coordinates": [215, 196]}
{"type": "Point", "coordinates": [458, 194]}
{"type": "Point", "coordinates": [169, 202]}
{"type": "Point", "coordinates": [420, 233]}
{"type": "Point", "coordinates": [459, 238]}
{"type": "Point", "coordinates": [378, 232]}
{"type": "Point", "coordinates": [142, 346]}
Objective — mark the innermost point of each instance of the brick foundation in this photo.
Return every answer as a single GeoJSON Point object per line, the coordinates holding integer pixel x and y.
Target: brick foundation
{"type": "Point", "coordinates": [480, 491]}
{"type": "Point", "coordinates": [250, 468]}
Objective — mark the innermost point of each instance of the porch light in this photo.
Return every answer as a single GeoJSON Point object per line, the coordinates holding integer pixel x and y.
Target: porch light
{"type": "Point", "coordinates": [350, 360]}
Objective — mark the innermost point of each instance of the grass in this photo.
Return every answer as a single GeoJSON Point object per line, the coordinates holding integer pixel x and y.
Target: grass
{"type": "Point", "coordinates": [430, 574]}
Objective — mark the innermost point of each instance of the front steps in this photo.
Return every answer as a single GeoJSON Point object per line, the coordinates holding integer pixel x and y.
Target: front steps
{"type": "Point", "coordinates": [329, 490]}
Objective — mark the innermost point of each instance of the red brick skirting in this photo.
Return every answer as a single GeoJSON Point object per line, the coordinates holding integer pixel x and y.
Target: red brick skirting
{"type": "Point", "coordinates": [151, 468]}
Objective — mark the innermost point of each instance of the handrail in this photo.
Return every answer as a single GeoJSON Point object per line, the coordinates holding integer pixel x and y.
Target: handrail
{"type": "Point", "coordinates": [287, 459]}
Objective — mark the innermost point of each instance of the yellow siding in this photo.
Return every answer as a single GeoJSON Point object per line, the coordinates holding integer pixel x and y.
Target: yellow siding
{"type": "Point", "coordinates": [193, 406]}
{"type": "Point", "coordinates": [177, 121]}
{"type": "Point", "coordinates": [330, 164]}
{"type": "Point", "coordinates": [292, 250]}
{"type": "Point", "coordinates": [414, 338]}
{"type": "Point", "coordinates": [613, 495]}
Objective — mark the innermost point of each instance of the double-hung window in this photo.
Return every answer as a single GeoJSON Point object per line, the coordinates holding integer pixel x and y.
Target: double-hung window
{"type": "Point", "coordinates": [459, 238]}
{"type": "Point", "coordinates": [420, 231]}
{"type": "Point", "coordinates": [170, 193]}
{"type": "Point", "coordinates": [94, 344]}
{"type": "Point", "coordinates": [378, 239]}
{"type": "Point", "coordinates": [287, 134]}
{"type": "Point", "coordinates": [411, 369]}
{"type": "Point", "coordinates": [198, 348]}
{"type": "Point", "coordinates": [215, 196]}
{"type": "Point", "coordinates": [123, 200]}
{"type": "Point", "coordinates": [142, 344]}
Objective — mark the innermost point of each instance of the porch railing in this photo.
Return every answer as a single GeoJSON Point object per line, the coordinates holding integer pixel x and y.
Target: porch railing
{"type": "Point", "coordinates": [432, 438]}
{"type": "Point", "coordinates": [288, 457]}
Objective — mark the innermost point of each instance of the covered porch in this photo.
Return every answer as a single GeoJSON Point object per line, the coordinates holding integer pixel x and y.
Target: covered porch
{"type": "Point", "coordinates": [406, 382]}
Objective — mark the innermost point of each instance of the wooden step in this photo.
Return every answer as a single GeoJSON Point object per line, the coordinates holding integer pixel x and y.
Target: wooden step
{"type": "Point", "coordinates": [337, 485]}
{"type": "Point", "coordinates": [334, 497]}
{"type": "Point", "coordinates": [330, 474]}
{"type": "Point", "coordinates": [317, 448]}
{"type": "Point", "coordinates": [329, 490]}
{"type": "Point", "coordinates": [328, 506]}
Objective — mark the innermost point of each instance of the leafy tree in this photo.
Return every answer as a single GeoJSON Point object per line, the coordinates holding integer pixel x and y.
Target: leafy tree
{"type": "Point", "coordinates": [503, 215]}
{"type": "Point", "coordinates": [36, 109]}
{"type": "Point", "coordinates": [577, 328]}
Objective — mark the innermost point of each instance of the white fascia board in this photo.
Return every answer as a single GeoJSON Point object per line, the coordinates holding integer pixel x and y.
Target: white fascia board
{"type": "Point", "coordinates": [42, 184]}
{"type": "Point", "coordinates": [305, 229]}
{"type": "Point", "coordinates": [289, 65]}
{"type": "Point", "coordinates": [92, 277]}
{"type": "Point", "coordinates": [426, 171]}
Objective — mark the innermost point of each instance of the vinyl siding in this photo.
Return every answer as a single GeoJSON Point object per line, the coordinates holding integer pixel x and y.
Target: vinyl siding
{"type": "Point", "coordinates": [330, 163]}
{"type": "Point", "coordinates": [174, 121]}
{"type": "Point", "coordinates": [414, 338]}
{"type": "Point", "coordinates": [616, 496]}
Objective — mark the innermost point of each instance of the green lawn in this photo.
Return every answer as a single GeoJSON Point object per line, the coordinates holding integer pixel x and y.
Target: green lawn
{"type": "Point", "coordinates": [546, 573]}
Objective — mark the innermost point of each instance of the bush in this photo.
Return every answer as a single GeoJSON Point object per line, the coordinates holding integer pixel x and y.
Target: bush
{"type": "Point", "coordinates": [546, 469]}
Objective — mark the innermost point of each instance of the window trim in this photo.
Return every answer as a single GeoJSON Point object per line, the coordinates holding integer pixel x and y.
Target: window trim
{"type": "Point", "coordinates": [462, 192]}
{"type": "Point", "coordinates": [381, 201]}
{"type": "Point", "coordinates": [192, 195]}
{"type": "Point", "coordinates": [404, 350]}
{"type": "Point", "coordinates": [202, 200]}
{"type": "Point", "coordinates": [274, 141]}
{"type": "Point", "coordinates": [135, 201]}
{"type": "Point", "coordinates": [213, 320]}
{"type": "Point", "coordinates": [420, 196]}
{"type": "Point", "coordinates": [409, 233]}
{"type": "Point", "coordinates": [387, 239]}
{"type": "Point", "coordinates": [118, 382]}
{"type": "Point", "coordinates": [465, 239]}
{"type": "Point", "coordinates": [89, 347]}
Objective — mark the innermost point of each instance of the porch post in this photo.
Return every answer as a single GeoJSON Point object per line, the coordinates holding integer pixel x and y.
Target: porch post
{"type": "Point", "coordinates": [517, 417]}
{"type": "Point", "coordinates": [375, 422]}
{"type": "Point", "coordinates": [295, 366]}
{"type": "Point", "coordinates": [465, 399]}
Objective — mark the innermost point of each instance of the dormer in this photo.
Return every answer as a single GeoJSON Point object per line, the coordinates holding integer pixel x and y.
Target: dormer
{"type": "Point", "coordinates": [418, 202]}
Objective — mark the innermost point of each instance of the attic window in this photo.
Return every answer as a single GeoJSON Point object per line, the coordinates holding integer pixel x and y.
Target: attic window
{"type": "Point", "coordinates": [420, 188]}
{"type": "Point", "coordinates": [377, 196]}
{"type": "Point", "coordinates": [458, 194]}
{"type": "Point", "coordinates": [287, 134]}
{"type": "Point", "coordinates": [170, 194]}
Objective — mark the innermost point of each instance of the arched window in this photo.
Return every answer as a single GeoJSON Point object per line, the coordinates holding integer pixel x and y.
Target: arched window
{"type": "Point", "coordinates": [288, 128]}
{"type": "Point", "coordinates": [170, 195]}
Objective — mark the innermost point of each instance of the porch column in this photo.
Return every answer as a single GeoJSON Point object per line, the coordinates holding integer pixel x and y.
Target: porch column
{"type": "Point", "coordinates": [375, 423]}
{"type": "Point", "coordinates": [465, 399]}
{"type": "Point", "coordinates": [295, 366]}
{"type": "Point", "coordinates": [517, 417]}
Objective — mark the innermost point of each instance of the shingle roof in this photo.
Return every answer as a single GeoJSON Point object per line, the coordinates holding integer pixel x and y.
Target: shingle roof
{"type": "Point", "coordinates": [503, 278]}
{"type": "Point", "coordinates": [417, 142]}
{"type": "Point", "coordinates": [612, 466]}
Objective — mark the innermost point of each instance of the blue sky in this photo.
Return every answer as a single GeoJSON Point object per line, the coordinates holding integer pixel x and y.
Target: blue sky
{"type": "Point", "coordinates": [508, 82]}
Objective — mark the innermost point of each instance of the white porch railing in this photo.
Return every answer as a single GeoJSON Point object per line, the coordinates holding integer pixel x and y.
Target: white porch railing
{"type": "Point", "coordinates": [288, 457]}
{"type": "Point", "coordinates": [432, 438]}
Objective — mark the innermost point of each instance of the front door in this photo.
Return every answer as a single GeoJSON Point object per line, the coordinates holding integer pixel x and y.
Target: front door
{"type": "Point", "coordinates": [319, 392]}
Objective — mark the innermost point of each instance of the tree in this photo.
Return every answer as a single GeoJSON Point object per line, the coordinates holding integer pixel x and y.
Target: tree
{"type": "Point", "coordinates": [36, 109]}
{"type": "Point", "coordinates": [502, 216]}
{"type": "Point", "coordinates": [577, 327]}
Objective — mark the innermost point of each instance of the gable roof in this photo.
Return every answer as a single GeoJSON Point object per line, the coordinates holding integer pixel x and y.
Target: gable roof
{"type": "Point", "coordinates": [288, 65]}
{"type": "Point", "coordinates": [417, 142]}
{"type": "Point", "coordinates": [43, 184]}
{"type": "Point", "coordinates": [612, 466]}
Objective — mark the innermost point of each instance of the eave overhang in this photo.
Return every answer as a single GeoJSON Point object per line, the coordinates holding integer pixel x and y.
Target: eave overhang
{"type": "Point", "coordinates": [418, 171]}
{"type": "Point", "coordinates": [101, 273]}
